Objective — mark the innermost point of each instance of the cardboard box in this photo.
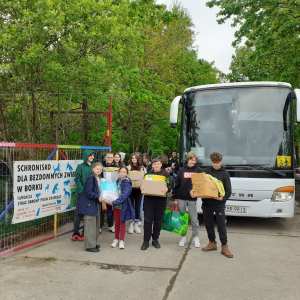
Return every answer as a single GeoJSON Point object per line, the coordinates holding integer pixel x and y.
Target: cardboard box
{"type": "Point", "coordinates": [136, 177]}
{"type": "Point", "coordinates": [204, 187]}
{"type": "Point", "coordinates": [111, 176]}
{"type": "Point", "coordinates": [153, 188]}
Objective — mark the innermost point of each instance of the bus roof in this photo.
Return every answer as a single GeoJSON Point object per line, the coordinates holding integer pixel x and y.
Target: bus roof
{"type": "Point", "coordinates": [238, 84]}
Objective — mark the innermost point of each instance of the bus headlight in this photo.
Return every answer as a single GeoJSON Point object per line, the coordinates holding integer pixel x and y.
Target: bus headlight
{"type": "Point", "coordinates": [283, 194]}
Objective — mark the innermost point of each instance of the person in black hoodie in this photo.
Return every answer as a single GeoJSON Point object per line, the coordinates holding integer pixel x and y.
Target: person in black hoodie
{"type": "Point", "coordinates": [217, 206]}
{"type": "Point", "coordinates": [154, 209]}
{"type": "Point", "coordinates": [182, 197]}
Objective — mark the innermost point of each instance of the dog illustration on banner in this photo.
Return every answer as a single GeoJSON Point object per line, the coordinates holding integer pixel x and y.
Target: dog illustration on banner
{"type": "Point", "coordinates": [55, 189]}
{"type": "Point", "coordinates": [67, 194]}
{"type": "Point", "coordinates": [47, 188]}
{"type": "Point", "coordinates": [67, 182]}
{"type": "Point", "coordinates": [69, 167]}
{"type": "Point", "coordinates": [57, 169]}
{"type": "Point", "coordinates": [37, 195]}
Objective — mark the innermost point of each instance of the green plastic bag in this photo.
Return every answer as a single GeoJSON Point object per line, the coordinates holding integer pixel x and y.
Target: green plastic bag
{"type": "Point", "coordinates": [175, 220]}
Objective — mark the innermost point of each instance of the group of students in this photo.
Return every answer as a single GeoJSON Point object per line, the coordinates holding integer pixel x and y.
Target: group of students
{"type": "Point", "coordinates": [130, 204]}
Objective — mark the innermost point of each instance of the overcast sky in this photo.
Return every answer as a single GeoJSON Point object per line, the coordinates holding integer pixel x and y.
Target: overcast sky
{"type": "Point", "coordinates": [213, 40]}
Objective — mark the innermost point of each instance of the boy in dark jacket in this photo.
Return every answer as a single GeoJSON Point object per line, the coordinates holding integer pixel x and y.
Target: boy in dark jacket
{"type": "Point", "coordinates": [146, 162]}
{"type": "Point", "coordinates": [82, 172]}
{"type": "Point", "coordinates": [154, 209]}
{"type": "Point", "coordinates": [217, 206]}
{"type": "Point", "coordinates": [182, 197]}
{"type": "Point", "coordinates": [173, 162]}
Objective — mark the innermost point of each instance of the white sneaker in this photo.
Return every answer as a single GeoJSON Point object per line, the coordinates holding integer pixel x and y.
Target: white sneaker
{"type": "Point", "coordinates": [121, 245]}
{"type": "Point", "coordinates": [137, 228]}
{"type": "Point", "coordinates": [182, 241]}
{"type": "Point", "coordinates": [197, 242]}
{"type": "Point", "coordinates": [130, 229]}
{"type": "Point", "coordinates": [100, 230]}
{"type": "Point", "coordinates": [115, 243]}
{"type": "Point", "coordinates": [111, 229]}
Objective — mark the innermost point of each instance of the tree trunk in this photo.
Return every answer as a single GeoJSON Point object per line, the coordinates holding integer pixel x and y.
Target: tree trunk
{"type": "Point", "coordinates": [27, 113]}
{"type": "Point", "coordinates": [85, 122]}
{"type": "Point", "coordinates": [2, 124]}
{"type": "Point", "coordinates": [33, 104]}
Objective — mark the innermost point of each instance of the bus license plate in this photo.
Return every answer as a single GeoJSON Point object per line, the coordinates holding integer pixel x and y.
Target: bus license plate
{"type": "Point", "coordinates": [236, 209]}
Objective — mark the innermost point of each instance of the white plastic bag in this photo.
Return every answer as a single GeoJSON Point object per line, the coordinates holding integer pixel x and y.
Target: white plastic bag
{"type": "Point", "coordinates": [108, 190]}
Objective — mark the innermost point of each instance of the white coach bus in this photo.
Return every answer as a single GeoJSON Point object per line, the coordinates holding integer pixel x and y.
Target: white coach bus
{"type": "Point", "coordinates": [251, 125]}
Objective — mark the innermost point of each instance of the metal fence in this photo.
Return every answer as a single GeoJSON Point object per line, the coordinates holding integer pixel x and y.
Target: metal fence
{"type": "Point", "coordinates": [14, 237]}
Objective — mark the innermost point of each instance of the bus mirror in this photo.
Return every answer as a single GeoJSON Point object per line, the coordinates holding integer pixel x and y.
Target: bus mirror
{"type": "Point", "coordinates": [174, 111]}
{"type": "Point", "coordinates": [297, 94]}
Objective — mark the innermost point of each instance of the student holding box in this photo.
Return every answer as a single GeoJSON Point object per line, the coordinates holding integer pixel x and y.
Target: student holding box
{"type": "Point", "coordinates": [135, 164]}
{"type": "Point", "coordinates": [154, 208]}
{"type": "Point", "coordinates": [217, 206]}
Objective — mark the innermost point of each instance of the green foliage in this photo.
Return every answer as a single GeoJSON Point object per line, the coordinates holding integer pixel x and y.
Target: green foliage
{"type": "Point", "coordinates": [271, 33]}
{"type": "Point", "coordinates": [72, 55]}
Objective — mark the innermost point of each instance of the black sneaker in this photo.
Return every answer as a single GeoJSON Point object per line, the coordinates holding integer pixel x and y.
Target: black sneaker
{"type": "Point", "coordinates": [156, 244]}
{"type": "Point", "coordinates": [145, 245]}
{"type": "Point", "coordinates": [92, 249]}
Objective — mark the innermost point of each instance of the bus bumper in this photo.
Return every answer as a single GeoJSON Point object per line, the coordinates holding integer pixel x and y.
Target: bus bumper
{"type": "Point", "coordinates": [261, 209]}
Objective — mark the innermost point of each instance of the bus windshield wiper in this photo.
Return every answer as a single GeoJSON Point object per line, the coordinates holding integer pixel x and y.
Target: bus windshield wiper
{"type": "Point", "coordinates": [258, 166]}
{"type": "Point", "coordinates": [245, 166]}
{"type": "Point", "coordinates": [271, 170]}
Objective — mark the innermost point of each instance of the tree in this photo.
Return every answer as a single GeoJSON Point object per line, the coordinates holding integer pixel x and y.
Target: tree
{"type": "Point", "coordinates": [74, 55]}
{"type": "Point", "coordinates": [271, 32]}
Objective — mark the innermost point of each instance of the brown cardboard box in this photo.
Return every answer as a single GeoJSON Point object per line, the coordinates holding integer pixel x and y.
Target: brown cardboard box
{"type": "Point", "coordinates": [204, 187]}
{"type": "Point", "coordinates": [153, 188]}
{"type": "Point", "coordinates": [136, 178]}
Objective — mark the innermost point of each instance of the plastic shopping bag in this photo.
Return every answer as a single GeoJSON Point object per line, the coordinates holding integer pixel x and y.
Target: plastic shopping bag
{"type": "Point", "coordinates": [175, 221]}
{"type": "Point", "coordinates": [108, 190]}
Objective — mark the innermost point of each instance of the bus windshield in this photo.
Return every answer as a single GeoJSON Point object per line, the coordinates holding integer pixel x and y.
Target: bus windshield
{"type": "Point", "coordinates": [248, 125]}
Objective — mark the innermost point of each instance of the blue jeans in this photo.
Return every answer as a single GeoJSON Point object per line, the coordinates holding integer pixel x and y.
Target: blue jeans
{"type": "Point", "coordinates": [142, 208]}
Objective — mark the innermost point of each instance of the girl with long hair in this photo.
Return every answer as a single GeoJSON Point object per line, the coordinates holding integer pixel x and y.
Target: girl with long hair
{"type": "Point", "coordinates": [135, 164]}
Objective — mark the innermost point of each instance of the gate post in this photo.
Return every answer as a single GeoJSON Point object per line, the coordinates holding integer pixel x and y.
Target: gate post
{"type": "Point", "coordinates": [55, 216]}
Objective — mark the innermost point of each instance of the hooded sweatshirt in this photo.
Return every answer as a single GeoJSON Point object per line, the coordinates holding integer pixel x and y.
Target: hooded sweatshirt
{"type": "Point", "coordinates": [223, 176]}
{"type": "Point", "coordinates": [83, 171]}
{"type": "Point", "coordinates": [183, 184]}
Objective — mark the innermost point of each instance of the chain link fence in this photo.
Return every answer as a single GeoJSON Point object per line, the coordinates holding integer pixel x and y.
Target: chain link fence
{"type": "Point", "coordinates": [14, 237]}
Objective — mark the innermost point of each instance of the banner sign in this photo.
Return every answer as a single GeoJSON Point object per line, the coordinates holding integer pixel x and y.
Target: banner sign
{"type": "Point", "coordinates": [43, 188]}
